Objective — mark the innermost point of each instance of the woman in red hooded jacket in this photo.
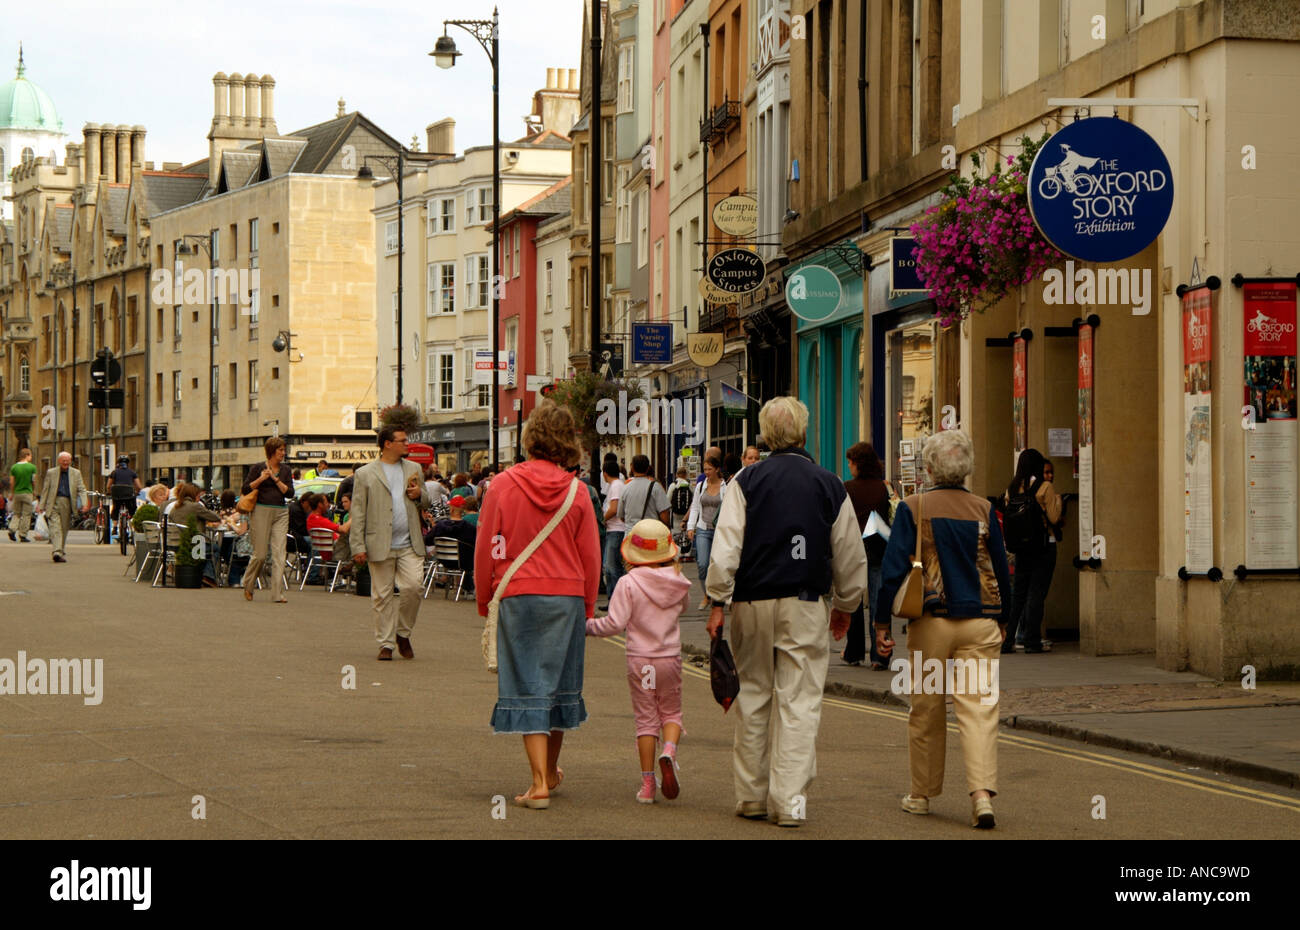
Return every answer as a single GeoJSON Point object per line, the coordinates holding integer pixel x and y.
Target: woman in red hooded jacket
{"type": "Point", "coordinates": [542, 618]}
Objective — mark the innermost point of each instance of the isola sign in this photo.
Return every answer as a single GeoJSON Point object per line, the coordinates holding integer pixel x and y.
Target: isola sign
{"type": "Point", "coordinates": [1101, 190]}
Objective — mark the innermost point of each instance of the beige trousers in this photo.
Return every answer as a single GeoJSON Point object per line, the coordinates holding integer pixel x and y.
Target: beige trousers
{"type": "Point", "coordinates": [22, 521]}
{"type": "Point", "coordinates": [269, 526]}
{"type": "Point", "coordinates": [781, 648]}
{"type": "Point", "coordinates": [396, 617]}
{"type": "Point", "coordinates": [60, 520]}
{"type": "Point", "coordinates": [943, 638]}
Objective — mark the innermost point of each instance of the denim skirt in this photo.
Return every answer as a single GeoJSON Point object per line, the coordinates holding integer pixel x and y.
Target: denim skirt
{"type": "Point", "coordinates": [541, 644]}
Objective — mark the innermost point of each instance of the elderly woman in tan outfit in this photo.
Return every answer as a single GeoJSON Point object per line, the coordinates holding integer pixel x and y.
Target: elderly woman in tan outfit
{"type": "Point", "coordinates": [960, 631]}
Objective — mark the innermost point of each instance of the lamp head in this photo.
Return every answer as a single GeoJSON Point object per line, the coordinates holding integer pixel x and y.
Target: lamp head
{"type": "Point", "coordinates": [364, 172]}
{"type": "Point", "coordinates": [184, 248]}
{"type": "Point", "coordinates": [444, 52]}
{"type": "Point", "coordinates": [280, 343]}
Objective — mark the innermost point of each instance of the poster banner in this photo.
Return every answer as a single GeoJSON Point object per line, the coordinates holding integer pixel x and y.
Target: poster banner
{"type": "Point", "coordinates": [1019, 395]}
{"type": "Point", "coordinates": [1085, 441]}
{"type": "Point", "coordinates": [1269, 321]}
{"type": "Point", "coordinates": [1198, 496]}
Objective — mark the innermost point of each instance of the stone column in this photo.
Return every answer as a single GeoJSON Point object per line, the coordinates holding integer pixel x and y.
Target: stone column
{"type": "Point", "coordinates": [123, 154]}
{"type": "Point", "coordinates": [137, 145]}
{"type": "Point", "coordinates": [108, 152]}
{"type": "Point", "coordinates": [268, 102]}
{"type": "Point", "coordinates": [220, 99]}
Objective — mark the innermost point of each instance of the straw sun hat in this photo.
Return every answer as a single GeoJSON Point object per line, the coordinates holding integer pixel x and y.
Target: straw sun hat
{"type": "Point", "coordinates": [648, 542]}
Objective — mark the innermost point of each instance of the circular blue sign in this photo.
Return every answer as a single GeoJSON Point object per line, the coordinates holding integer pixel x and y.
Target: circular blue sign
{"type": "Point", "coordinates": [1101, 190]}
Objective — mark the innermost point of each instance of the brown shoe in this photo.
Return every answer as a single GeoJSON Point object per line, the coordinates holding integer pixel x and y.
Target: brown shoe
{"type": "Point", "coordinates": [385, 655]}
{"type": "Point", "coordinates": [59, 558]}
{"type": "Point", "coordinates": [404, 648]}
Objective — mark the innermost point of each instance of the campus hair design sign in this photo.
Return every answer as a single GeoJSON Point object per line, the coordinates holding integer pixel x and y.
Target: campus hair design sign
{"type": "Point", "coordinates": [1269, 350]}
{"type": "Point", "coordinates": [1086, 515]}
{"type": "Point", "coordinates": [1101, 190]}
{"type": "Point", "coordinates": [1198, 440]}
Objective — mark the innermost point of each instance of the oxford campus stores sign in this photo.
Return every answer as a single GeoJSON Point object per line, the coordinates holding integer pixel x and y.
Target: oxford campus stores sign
{"type": "Point", "coordinates": [737, 271]}
{"type": "Point", "coordinates": [1101, 190]}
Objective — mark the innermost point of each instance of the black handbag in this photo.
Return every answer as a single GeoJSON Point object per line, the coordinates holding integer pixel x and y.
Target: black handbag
{"type": "Point", "coordinates": [722, 672]}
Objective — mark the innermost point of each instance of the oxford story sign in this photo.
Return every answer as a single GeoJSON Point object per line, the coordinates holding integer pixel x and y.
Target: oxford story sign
{"type": "Point", "coordinates": [1101, 190]}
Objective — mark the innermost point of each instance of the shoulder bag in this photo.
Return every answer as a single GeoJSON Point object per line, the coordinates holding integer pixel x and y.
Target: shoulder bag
{"type": "Point", "coordinates": [494, 605]}
{"type": "Point", "coordinates": [909, 602]}
{"type": "Point", "coordinates": [248, 502]}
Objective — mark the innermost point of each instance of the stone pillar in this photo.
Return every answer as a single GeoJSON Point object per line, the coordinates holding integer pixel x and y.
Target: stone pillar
{"type": "Point", "coordinates": [123, 154]}
{"type": "Point", "coordinates": [268, 108]}
{"type": "Point", "coordinates": [91, 134]}
{"type": "Point", "coordinates": [252, 100]}
{"type": "Point", "coordinates": [237, 99]}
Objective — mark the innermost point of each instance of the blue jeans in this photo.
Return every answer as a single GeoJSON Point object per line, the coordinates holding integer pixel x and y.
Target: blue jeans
{"type": "Point", "coordinates": [703, 546]}
{"type": "Point", "coordinates": [613, 560]}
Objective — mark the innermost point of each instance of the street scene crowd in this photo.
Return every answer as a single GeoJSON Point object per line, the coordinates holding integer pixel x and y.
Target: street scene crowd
{"type": "Point", "coordinates": [552, 555]}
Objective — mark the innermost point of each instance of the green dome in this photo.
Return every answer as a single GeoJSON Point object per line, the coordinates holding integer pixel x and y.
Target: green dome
{"type": "Point", "coordinates": [23, 105]}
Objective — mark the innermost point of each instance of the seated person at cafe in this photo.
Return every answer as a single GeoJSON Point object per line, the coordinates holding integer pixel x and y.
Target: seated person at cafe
{"type": "Point", "coordinates": [187, 505]}
{"type": "Point", "coordinates": [318, 518]}
{"type": "Point", "coordinates": [343, 541]}
{"type": "Point", "coordinates": [471, 511]}
{"type": "Point", "coordinates": [465, 533]}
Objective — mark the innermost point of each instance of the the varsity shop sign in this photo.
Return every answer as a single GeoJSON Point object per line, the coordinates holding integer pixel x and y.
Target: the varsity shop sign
{"type": "Point", "coordinates": [1101, 190]}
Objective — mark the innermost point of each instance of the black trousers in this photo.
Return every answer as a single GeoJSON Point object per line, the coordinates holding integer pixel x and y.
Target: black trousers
{"type": "Point", "coordinates": [1034, 568]}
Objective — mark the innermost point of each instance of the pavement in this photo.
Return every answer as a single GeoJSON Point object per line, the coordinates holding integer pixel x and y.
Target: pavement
{"type": "Point", "coordinates": [1123, 702]}
{"type": "Point", "coordinates": [219, 718]}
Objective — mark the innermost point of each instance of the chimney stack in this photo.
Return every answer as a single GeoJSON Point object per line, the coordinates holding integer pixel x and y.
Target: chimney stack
{"type": "Point", "coordinates": [220, 99]}
{"type": "Point", "coordinates": [108, 152]}
{"type": "Point", "coordinates": [237, 100]}
{"type": "Point", "coordinates": [137, 145]}
{"type": "Point", "coordinates": [73, 157]}
{"type": "Point", "coordinates": [91, 134]}
{"type": "Point", "coordinates": [252, 100]}
{"type": "Point", "coordinates": [441, 137]}
{"type": "Point", "coordinates": [123, 154]}
{"type": "Point", "coordinates": [268, 110]}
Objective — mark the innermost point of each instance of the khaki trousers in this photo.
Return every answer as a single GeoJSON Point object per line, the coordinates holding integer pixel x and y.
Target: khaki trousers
{"type": "Point", "coordinates": [268, 526]}
{"type": "Point", "coordinates": [60, 520]}
{"type": "Point", "coordinates": [781, 649]}
{"type": "Point", "coordinates": [22, 514]}
{"type": "Point", "coordinates": [944, 638]}
{"type": "Point", "coordinates": [390, 616]}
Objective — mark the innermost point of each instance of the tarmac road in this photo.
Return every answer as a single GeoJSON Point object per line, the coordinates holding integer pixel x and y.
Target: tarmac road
{"type": "Point", "coordinates": [243, 705]}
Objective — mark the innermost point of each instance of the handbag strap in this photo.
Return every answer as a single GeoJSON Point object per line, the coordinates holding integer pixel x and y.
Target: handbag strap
{"type": "Point", "coordinates": [537, 541]}
{"type": "Point", "coordinates": [919, 495]}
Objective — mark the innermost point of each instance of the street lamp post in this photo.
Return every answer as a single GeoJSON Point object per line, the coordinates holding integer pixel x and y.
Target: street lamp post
{"type": "Point", "coordinates": [445, 54]}
{"type": "Point", "coordinates": [363, 172]}
{"type": "Point", "coordinates": [205, 243]}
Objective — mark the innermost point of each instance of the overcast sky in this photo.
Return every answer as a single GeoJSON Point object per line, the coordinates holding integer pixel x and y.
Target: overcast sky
{"type": "Point", "coordinates": [156, 67]}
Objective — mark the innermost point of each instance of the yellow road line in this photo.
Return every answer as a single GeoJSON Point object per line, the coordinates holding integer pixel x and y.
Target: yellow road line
{"type": "Point", "coordinates": [1183, 779]}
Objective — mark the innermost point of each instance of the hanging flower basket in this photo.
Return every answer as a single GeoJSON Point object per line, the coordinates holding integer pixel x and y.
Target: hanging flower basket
{"type": "Point", "coordinates": [981, 243]}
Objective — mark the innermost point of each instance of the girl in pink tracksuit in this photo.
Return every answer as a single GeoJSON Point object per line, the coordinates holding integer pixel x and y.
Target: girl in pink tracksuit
{"type": "Point", "coordinates": [647, 603]}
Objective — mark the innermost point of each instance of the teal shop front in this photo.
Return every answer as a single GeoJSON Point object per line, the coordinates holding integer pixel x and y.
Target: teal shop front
{"type": "Point", "coordinates": [831, 367]}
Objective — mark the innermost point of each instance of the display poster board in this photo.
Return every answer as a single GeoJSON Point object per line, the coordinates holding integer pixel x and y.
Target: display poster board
{"type": "Point", "coordinates": [1269, 350]}
{"type": "Point", "coordinates": [1019, 396]}
{"type": "Point", "coordinates": [1086, 515]}
{"type": "Point", "coordinates": [1198, 494]}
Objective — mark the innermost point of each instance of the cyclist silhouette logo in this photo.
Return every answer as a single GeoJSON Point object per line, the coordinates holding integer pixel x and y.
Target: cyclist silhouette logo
{"type": "Point", "coordinates": [1066, 175]}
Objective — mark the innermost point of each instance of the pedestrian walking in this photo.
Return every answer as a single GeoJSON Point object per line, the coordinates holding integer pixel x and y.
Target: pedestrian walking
{"type": "Point", "coordinates": [612, 559]}
{"type": "Point", "coordinates": [62, 492]}
{"type": "Point", "coordinates": [703, 517]}
{"type": "Point", "coordinates": [386, 502]}
{"type": "Point", "coordinates": [23, 494]}
{"type": "Point", "coordinates": [870, 495]}
{"type": "Point", "coordinates": [1031, 518]}
{"type": "Point", "coordinates": [786, 537]}
{"type": "Point", "coordinates": [642, 497]}
{"type": "Point", "coordinates": [751, 457]}
{"type": "Point", "coordinates": [547, 597]}
{"type": "Point", "coordinates": [273, 482]}
{"type": "Point", "coordinates": [965, 612]}
{"type": "Point", "coordinates": [648, 604]}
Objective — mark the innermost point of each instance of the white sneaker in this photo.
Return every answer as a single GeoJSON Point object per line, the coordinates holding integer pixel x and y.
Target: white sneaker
{"type": "Point", "coordinates": [916, 805]}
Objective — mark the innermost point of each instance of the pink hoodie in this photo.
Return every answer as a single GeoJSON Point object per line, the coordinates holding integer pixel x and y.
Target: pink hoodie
{"type": "Point", "coordinates": [647, 603]}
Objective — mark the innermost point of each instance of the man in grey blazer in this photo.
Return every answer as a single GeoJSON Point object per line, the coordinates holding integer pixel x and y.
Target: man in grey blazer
{"type": "Point", "coordinates": [62, 491]}
{"type": "Point", "coordinates": [387, 497]}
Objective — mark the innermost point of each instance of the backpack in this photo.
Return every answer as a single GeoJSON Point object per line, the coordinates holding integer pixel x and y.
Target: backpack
{"type": "Point", "coordinates": [1024, 525]}
{"type": "Point", "coordinates": [681, 499]}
